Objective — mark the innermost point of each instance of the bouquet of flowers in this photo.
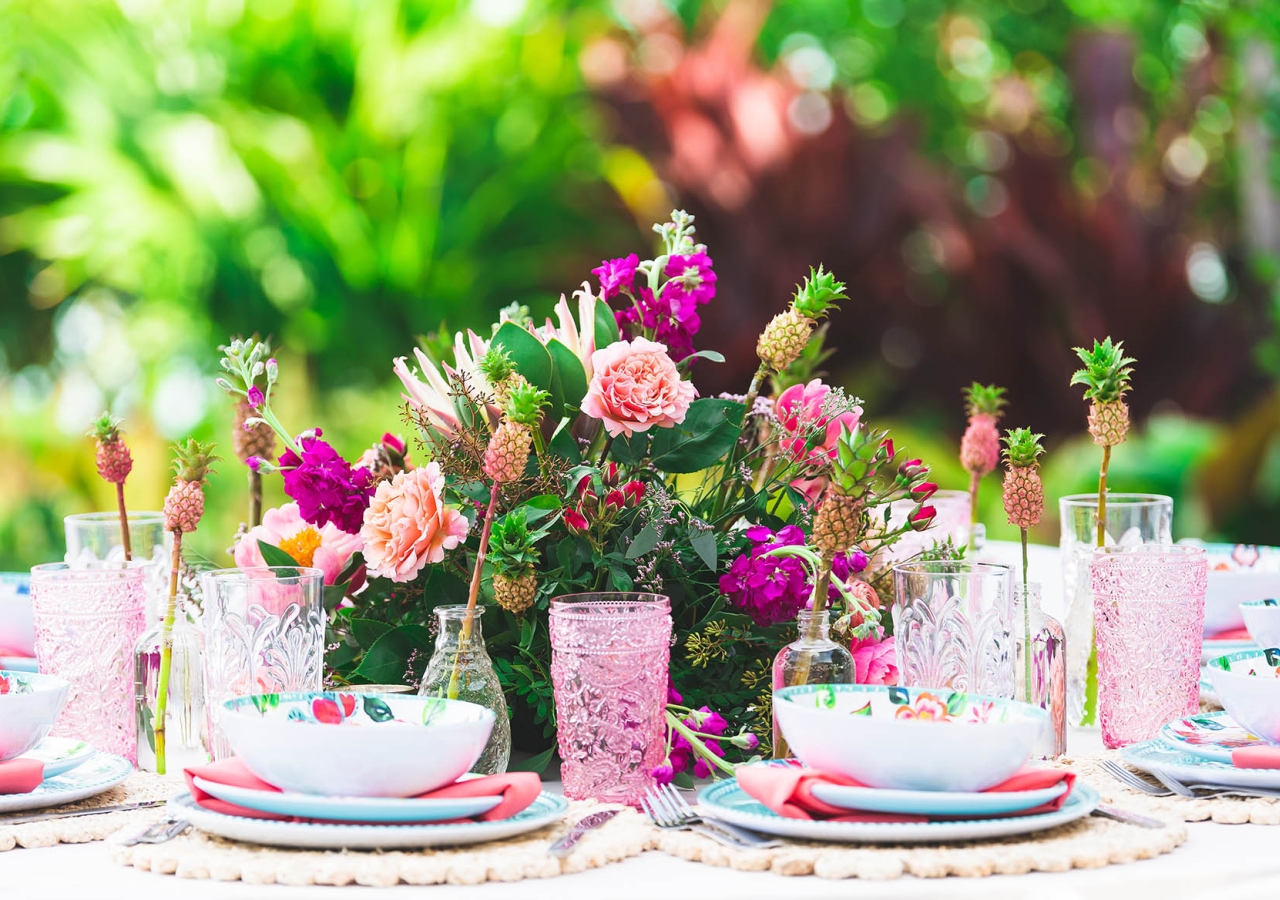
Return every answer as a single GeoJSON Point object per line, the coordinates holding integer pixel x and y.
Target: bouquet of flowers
{"type": "Point", "coordinates": [578, 455]}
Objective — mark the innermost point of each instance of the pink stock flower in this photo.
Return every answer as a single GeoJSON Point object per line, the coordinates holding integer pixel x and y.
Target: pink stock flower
{"type": "Point", "coordinates": [875, 661]}
{"type": "Point", "coordinates": [636, 386]}
{"type": "Point", "coordinates": [407, 525]}
{"type": "Point", "coordinates": [326, 548]}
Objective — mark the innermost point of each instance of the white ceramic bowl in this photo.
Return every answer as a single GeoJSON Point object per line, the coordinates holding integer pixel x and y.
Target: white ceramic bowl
{"type": "Point", "coordinates": [1237, 573]}
{"type": "Point", "coordinates": [356, 745]}
{"type": "Point", "coordinates": [17, 631]}
{"type": "Point", "coordinates": [1262, 618]}
{"type": "Point", "coordinates": [924, 739]}
{"type": "Point", "coordinates": [1248, 686]}
{"type": "Point", "coordinates": [29, 705]}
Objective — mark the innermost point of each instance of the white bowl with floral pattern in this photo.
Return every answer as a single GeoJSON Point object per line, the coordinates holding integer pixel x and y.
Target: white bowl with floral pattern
{"type": "Point", "coordinates": [343, 744]}
{"type": "Point", "coordinates": [1248, 686]}
{"type": "Point", "coordinates": [923, 739]}
{"type": "Point", "coordinates": [29, 705]}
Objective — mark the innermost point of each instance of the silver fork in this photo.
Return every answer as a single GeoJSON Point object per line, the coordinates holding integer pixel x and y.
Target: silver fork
{"type": "Point", "coordinates": [1129, 779]}
{"type": "Point", "coordinates": [665, 815]}
{"type": "Point", "coordinates": [1208, 790]}
{"type": "Point", "coordinates": [676, 799]}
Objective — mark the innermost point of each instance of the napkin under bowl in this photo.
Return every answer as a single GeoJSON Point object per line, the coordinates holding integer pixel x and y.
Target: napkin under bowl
{"type": "Point", "coordinates": [356, 745]}
{"type": "Point", "coordinates": [29, 705]}
{"type": "Point", "coordinates": [923, 739]}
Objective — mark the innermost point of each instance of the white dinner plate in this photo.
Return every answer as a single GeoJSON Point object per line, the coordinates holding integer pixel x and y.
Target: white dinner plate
{"type": "Point", "coordinates": [101, 773]}
{"type": "Point", "coordinates": [548, 808]}
{"type": "Point", "coordinates": [936, 803]}
{"type": "Point", "coordinates": [1195, 769]}
{"type": "Point", "coordinates": [370, 810]}
{"type": "Point", "coordinates": [60, 755]}
{"type": "Point", "coordinates": [726, 801]}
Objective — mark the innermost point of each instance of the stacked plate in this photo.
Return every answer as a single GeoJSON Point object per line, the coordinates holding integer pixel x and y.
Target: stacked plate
{"type": "Point", "coordinates": [72, 771]}
{"type": "Point", "coordinates": [1197, 750]}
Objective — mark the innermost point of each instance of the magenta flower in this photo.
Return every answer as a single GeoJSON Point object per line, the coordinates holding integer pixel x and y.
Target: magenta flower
{"type": "Point", "coordinates": [664, 773]}
{"type": "Point", "coordinates": [702, 768]}
{"type": "Point", "coordinates": [772, 589]}
{"type": "Point", "coordinates": [256, 397]}
{"type": "Point", "coordinates": [325, 486]}
{"type": "Point", "coordinates": [689, 277]}
{"type": "Point", "coordinates": [617, 274]}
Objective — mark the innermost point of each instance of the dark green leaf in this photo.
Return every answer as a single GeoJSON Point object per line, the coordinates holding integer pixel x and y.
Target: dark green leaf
{"type": "Point", "coordinates": [333, 594]}
{"type": "Point", "coordinates": [563, 445]}
{"type": "Point", "coordinates": [621, 579]}
{"type": "Point", "coordinates": [899, 696]}
{"type": "Point", "coordinates": [683, 780]}
{"type": "Point", "coordinates": [537, 763]}
{"type": "Point", "coordinates": [567, 373]}
{"type": "Point", "coordinates": [710, 429]}
{"type": "Point", "coordinates": [606, 325]}
{"type": "Point", "coordinates": [540, 507]}
{"type": "Point", "coordinates": [711, 355]}
{"type": "Point", "coordinates": [645, 541]}
{"type": "Point", "coordinates": [377, 709]}
{"type": "Point", "coordinates": [957, 703]}
{"type": "Point", "coordinates": [704, 544]}
{"type": "Point", "coordinates": [630, 451]}
{"type": "Point", "coordinates": [388, 659]}
{"type": "Point", "coordinates": [527, 354]}
{"type": "Point", "coordinates": [274, 556]}
{"type": "Point", "coordinates": [367, 631]}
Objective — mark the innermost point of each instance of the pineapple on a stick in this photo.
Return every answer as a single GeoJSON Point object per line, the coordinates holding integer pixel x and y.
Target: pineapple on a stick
{"type": "Point", "coordinates": [1024, 504]}
{"type": "Point", "coordinates": [510, 444]}
{"type": "Point", "coordinates": [514, 556]}
{"type": "Point", "coordinates": [788, 333]}
{"type": "Point", "coordinates": [114, 465]}
{"type": "Point", "coordinates": [980, 446]}
{"type": "Point", "coordinates": [1105, 376]}
{"type": "Point", "coordinates": [183, 509]}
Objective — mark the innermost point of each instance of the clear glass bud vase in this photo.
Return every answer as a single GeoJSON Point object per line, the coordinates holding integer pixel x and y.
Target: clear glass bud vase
{"type": "Point", "coordinates": [813, 658]}
{"type": "Point", "coordinates": [476, 681]}
{"type": "Point", "coordinates": [185, 744]}
{"type": "Point", "coordinates": [1044, 667]}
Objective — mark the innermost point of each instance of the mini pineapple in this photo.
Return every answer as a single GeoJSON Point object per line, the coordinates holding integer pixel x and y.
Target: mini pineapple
{"type": "Point", "coordinates": [501, 374]}
{"type": "Point", "coordinates": [1023, 491]}
{"type": "Point", "coordinates": [786, 336]}
{"type": "Point", "coordinates": [1106, 376]}
{"type": "Point", "coordinates": [512, 552]}
{"type": "Point", "coordinates": [114, 461]}
{"type": "Point", "coordinates": [980, 446]}
{"type": "Point", "coordinates": [184, 504]}
{"type": "Point", "coordinates": [838, 523]}
{"type": "Point", "coordinates": [508, 450]}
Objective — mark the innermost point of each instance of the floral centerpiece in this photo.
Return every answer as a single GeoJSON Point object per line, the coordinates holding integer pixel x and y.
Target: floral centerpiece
{"type": "Point", "coordinates": [577, 454]}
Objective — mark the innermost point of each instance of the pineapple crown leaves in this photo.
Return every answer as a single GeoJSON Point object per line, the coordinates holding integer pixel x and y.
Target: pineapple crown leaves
{"type": "Point", "coordinates": [525, 404]}
{"type": "Point", "coordinates": [193, 460]}
{"type": "Point", "coordinates": [818, 294]}
{"type": "Point", "coordinates": [496, 364]}
{"type": "Point", "coordinates": [860, 451]}
{"type": "Point", "coordinates": [984, 400]}
{"type": "Point", "coordinates": [1022, 448]}
{"type": "Point", "coordinates": [511, 545]}
{"type": "Point", "coordinates": [105, 429]}
{"type": "Point", "coordinates": [1106, 371]}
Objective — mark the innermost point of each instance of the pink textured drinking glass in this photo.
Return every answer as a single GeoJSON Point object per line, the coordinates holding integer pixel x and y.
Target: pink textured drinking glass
{"type": "Point", "coordinates": [1148, 608]}
{"type": "Point", "coordinates": [609, 655]}
{"type": "Point", "coordinates": [87, 620]}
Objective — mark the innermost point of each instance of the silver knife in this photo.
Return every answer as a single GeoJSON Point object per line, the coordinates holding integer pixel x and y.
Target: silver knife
{"type": "Point", "coordinates": [1123, 815]}
{"type": "Point", "coordinates": [72, 813]}
{"type": "Point", "coordinates": [563, 847]}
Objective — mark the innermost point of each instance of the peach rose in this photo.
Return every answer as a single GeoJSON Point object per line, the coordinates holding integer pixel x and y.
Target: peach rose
{"type": "Point", "coordinates": [408, 526]}
{"type": "Point", "coordinates": [635, 386]}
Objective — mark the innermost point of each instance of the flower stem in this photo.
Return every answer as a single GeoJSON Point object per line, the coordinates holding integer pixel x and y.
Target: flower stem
{"type": "Point", "coordinates": [698, 746]}
{"type": "Point", "coordinates": [974, 480]}
{"type": "Point", "coordinates": [464, 638]}
{"type": "Point", "coordinates": [604, 451]}
{"type": "Point", "coordinates": [125, 540]}
{"type": "Point", "coordinates": [255, 499]}
{"type": "Point", "coordinates": [1026, 619]}
{"type": "Point", "coordinates": [1102, 495]}
{"type": "Point", "coordinates": [166, 653]}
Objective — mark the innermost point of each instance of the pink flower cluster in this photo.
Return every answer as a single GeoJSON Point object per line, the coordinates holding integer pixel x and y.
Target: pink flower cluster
{"type": "Point", "coordinates": [325, 486]}
{"type": "Point", "coordinates": [875, 659]}
{"type": "Point", "coordinates": [593, 509]}
{"type": "Point", "coordinates": [671, 316]}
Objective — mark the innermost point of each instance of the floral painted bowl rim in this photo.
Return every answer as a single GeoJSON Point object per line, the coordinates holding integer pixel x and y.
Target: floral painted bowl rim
{"type": "Point", "coordinates": [1026, 712]}
{"type": "Point", "coordinates": [1270, 655]}
{"type": "Point", "coordinates": [40, 682]}
{"type": "Point", "coordinates": [243, 706]}
{"type": "Point", "coordinates": [1265, 602]}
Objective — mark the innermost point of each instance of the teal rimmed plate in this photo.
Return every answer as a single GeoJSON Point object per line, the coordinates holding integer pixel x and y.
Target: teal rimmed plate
{"type": "Point", "coordinates": [1196, 769]}
{"type": "Point", "coordinates": [1209, 735]}
{"type": "Point", "coordinates": [350, 809]}
{"type": "Point", "coordinates": [90, 778]}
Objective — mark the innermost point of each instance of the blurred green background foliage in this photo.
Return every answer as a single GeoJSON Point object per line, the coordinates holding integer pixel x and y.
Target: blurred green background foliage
{"type": "Point", "coordinates": [997, 180]}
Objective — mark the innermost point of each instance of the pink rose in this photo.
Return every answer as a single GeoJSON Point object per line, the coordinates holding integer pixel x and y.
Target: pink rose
{"type": "Point", "coordinates": [407, 525]}
{"type": "Point", "coordinates": [327, 548]}
{"type": "Point", "coordinates": [635, 386]}
{"type": "Point", "coordinates": [799, 411]}
{"type": "Point", "coordinates": [875, 661]}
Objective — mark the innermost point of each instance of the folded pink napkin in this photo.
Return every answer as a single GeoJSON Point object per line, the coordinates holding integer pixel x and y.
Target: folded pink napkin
{"type": "Point", "coordinates": [1263, 756]}
{"type": "Point", "coordinates": [1234, 634]}
{"type": "Point", "coordinates": [788, 791]}
{"type": "Point", "coordinates": [20, 776]}
{"type": "Point", "coordinates": [517, 790]}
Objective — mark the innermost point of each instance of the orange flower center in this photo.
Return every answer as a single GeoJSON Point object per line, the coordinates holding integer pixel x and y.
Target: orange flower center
{"type": "Point", "coordinates": [302, 544]}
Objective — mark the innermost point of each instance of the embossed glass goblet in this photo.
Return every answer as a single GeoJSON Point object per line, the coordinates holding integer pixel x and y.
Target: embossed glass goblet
{"type": "Point", "coordinates": [86, 622]}
{"type": "Point", "coordinates": [953, 626]}
{"type": "Point", "coordinates": [95, 537]}
{"type": "Point", "coordinates": [609, 655]}
{"type": "Point", "coordinates": [1148, 609]}
{"type": "Point", "coordinates": [263, 633]}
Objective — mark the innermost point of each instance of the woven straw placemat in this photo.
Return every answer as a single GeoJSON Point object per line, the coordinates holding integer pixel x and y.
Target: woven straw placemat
{"type": "Point", "coordinates": [1224, 810]}
{"type": "Point", "coordinates": [140, 787]}
{"type": "Point", "coordinates": [198, 855]}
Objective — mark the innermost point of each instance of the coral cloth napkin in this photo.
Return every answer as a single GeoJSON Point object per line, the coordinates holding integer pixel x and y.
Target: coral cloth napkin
{"type": "Point", "coordinates": [20, 776]}
{"type": "Point", "coordinates": [517, 789]}
{"type": "Point", "coordinates": [1233, 634]}
{"type": "Point", "coordinates": [788, 791]}
{"type": "Point", "coordinates": [1263, 756]}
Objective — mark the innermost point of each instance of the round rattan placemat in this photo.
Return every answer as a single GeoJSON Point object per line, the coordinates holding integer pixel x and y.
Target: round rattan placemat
{"type": "Point", "coordinates": [140, 787]}
{"type": "Point", "coordinates": [198, 855]}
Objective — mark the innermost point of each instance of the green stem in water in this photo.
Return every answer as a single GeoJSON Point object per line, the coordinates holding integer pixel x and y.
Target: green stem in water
{"type": "Point", "coordinates": [1026, 618]}
{"type": "Point", "coordinates": [166, 653]}
{"type": "Point", "coordinates": [464, 637]}
{"type": "Point", "coordinates": [125, 540]}
{"type": "Point", "coordinates": [1102, 495]}
{"type": "Point", "coordinates": [974, 480]}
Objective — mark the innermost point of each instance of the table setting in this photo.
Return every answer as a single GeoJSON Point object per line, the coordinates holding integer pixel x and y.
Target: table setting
{"type": "Point", "coordinates": [750, 630]}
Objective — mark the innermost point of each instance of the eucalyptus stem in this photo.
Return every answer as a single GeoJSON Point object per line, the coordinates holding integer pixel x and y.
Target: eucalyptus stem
{"type": "Point", "coordinates": [1102, 495]}
{"type": "Point", "coordinates": [125, 540]}
{"type": "Point", "coordinates": [166, 653]}
{"type": "Point", "coordinates": [464, 638]}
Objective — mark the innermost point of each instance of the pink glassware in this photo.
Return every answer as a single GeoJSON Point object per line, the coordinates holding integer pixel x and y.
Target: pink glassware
{"type": "Point", "coordinates": [609, 655]}
{"type": "Point", "coordinates": [1149, 614]}
{"type": "Point", "coordinates": [86, 623]}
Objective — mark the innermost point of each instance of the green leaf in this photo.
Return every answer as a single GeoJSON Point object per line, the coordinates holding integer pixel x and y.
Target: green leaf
{"type": "Point", "coordinates": [537, 763]}
{"type": "Point", "coordinates": [899, 696]}
{"type": "Point", "coordinates": [376, 708]}
{"type": "Point", "coordinates": [274, 556]}
{"type": "Point", "coordinates": [540, 507]}
{"type": "Point", "coordinates": [563, 445]}
{"type": "Point", "coordinates": [333, 594]}
{"type": "Point", "coordinates": [704, 544]}
{"type": "Point", "coordinates": [711, 355]}
{"type": "Point", "coordinates": [433, 709]}
{"type": "Point", "coordinates": [630, 451]}
{"type": "Point", "coordinates": [621, 579]}
{"type": "Point", "coordinates": [864, 710]}
{"type": "Point", "coordinates": [645, 541]}
{"type": "Point", "coordinates": [367, 631]}
{"type": "Point", "coordinates": [606, 325]}
{"type": "Point", "coordinates": [957, 703]}
{"type": "Point", "coordinates": [683, 780]}
{"type": "Point", "coordinates": [567, 374]}
{"type": "Point", "coordinates": [709, 430]}
{"type": "Point", "coordinates": [387, 660]}
{"type": "Point", "coordinates": [529, 356]}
